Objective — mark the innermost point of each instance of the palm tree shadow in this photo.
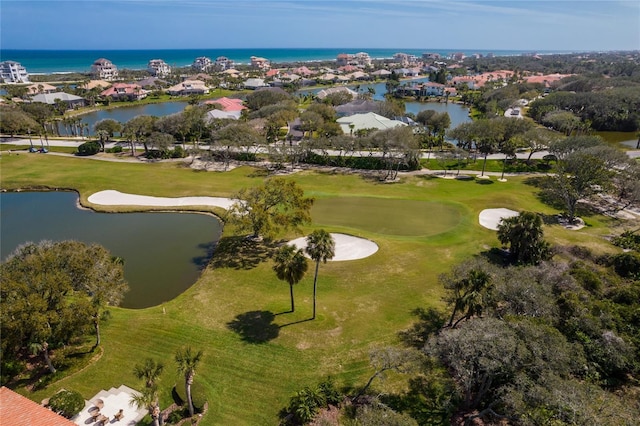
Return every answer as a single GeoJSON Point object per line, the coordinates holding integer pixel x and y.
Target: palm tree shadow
{"type": "Point", "coordinates": [239, 252]}
{"type": "Point", "coordinates": [296, 322]}
{"type": "Point", "coordinates": [255, 326]}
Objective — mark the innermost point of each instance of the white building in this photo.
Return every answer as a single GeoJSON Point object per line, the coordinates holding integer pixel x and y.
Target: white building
{"type": "Point", "coordinates": [202, 63]}
{"type": "Point", "coordinates": [158, 68]}
{"type": "Point", "coordinates": [103, 69]}
{"type": "Point", "coordinates": [223, 63]}
{"type": "Point", "coordinates": [13, 72]}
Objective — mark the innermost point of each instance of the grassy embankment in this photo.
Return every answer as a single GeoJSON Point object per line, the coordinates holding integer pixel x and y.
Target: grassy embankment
{"type": "Point", "coordinates": [422, 225]}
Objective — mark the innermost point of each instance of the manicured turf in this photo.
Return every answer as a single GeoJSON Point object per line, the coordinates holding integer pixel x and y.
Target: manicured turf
{"type": "Point", "coordinates": [256, 352]}
{"type": "Point", "coordinates": [386, 215]}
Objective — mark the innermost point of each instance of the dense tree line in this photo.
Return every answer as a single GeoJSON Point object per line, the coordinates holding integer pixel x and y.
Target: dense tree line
{"type": "Point", "coordinates": [616, 109]}
{"type": "Point", "coordinates": [53, 296]}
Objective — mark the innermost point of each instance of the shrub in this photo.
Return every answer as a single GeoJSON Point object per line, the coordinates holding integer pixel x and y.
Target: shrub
{"type": "Point", "coordinates": [628, 240]}
{"type": "Point", "coordinates": [198, 395]}
{"type": "Point", "coordinates": [627, 265]}
{"type": "Point", "coordinates": [67, 403]}
{"type": "Point", "coordinates": [178, 152]}
{"type": "Point", "coordinates": [89, 148]}
{"type": "Point", "coordinates": [116, 149]}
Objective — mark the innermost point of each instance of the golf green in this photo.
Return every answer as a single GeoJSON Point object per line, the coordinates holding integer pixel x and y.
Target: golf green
{"type": "Point", "coordinates": [386, 215]}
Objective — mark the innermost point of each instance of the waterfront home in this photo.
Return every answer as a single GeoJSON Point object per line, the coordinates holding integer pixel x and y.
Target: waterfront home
{"type": "Point", "coordinates": [72, 101]}
{"type": "Point", "coordinates": [342, 89]}
{"type": "Point", "coordinates": [381, 73]}
{"type": "Point", "coordinates": [370, 120]}
{"type": "Point", "coordinates": [189, 87]}
{"type": "Point", "coordinates": [125, 92]}
{"type": "Point", "coordinates": [358, 75]}
{"type": "Point", "coordinates": [223, 63]}
{"type": "Point", "coordinates": [404, 59]}
{"type": "Point", "coordinates": [158, 68]}
{"type": "Point", "coordinates": [360, 59]}
{"type": "Point", "coordinates": [260, 63]}
{"type": "Point", "coordinates": [13, 72]}
{"type": "Point", "coordinates": [408, 72]}
{"type": "Point", "coordinates": [202, 63]}
{"type": "Point", "coordinates": [104, 69]}
{"type": "Point", "coordinates": [358, 106]}
{"type": "Point", "coordinates": [36, 88]}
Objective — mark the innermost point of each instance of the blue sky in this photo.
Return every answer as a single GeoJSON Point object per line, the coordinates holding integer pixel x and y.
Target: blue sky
{"type": "Point", "coordinates": [171, 24]}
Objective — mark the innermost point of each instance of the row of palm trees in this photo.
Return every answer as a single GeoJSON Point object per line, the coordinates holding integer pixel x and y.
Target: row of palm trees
{"type": "Point", "coordinates": [290, 264]}
{"type": "Point", "coordinates": [187, 361]}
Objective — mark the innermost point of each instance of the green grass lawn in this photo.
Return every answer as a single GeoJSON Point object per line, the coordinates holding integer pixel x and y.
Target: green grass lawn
{"type": "Point", "coordinates": [256, 352]}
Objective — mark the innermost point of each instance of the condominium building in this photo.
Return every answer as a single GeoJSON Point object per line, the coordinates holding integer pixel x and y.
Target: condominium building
{"type": "Point", "coordinates": [202, 63]}
{"type": "Point", "coordinates": [260, 63]}
{"type": "Point", "coordinates": [158, 68]}
{"type": "Point", "coordinates": [13, 72]}
{"type": "Point", "coordinates": [104, 69]}
{"type": "Point", "coordinates": [223, 63]}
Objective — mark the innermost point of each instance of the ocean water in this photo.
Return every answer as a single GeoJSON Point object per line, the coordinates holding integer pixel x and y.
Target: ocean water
{"type": "Point", "coordinates": [59, 61]}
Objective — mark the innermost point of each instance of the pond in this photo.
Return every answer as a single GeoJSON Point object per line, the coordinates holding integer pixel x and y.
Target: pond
{"type": "Point", "coordinates": [124, 114]}
{"type": "Point", "coordinates": [164, 253]}
{"type": "Point", "coordinates": [458, 113]}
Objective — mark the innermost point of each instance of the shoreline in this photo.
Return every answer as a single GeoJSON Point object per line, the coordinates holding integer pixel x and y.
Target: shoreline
{"type": "Point", "coordinates": [281, 56]}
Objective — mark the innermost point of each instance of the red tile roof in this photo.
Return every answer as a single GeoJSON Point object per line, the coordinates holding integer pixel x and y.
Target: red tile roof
{"type": "Point", "coordinates": [228, 104]}
{"type": "Point", "coordinates": [16, 410]}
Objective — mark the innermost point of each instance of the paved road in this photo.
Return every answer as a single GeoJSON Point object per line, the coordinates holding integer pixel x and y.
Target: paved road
{"type": "Point", "coordinates": [77, 142]}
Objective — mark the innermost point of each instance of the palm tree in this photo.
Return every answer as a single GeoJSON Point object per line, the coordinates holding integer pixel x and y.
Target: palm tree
{"type": "Point", "coordinates": [320, 246]}
{"type": "Point", "coordinates": [187, 362]}
{"type": "Point", "coordinates": [290, 266]}
{"type": "Point", "coordinates": [149, 372]}
{"type": "Point", "coordinates": [148, 399]}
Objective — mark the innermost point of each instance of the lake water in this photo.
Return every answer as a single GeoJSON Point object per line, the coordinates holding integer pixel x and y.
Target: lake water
{"type": "Point", "coordinates": [164, 253]}
{"type": "Point", "coordinates": [124, 114]}
{"type": "Point", "coordinates": [458, 113]}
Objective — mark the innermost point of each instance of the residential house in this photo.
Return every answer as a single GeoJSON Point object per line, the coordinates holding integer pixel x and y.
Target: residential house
{"type": "Point", "coordinates": [432, 56]}
{"type": "Point", "coordinates": [125, 92]}
{"type": "Point", "coordinates": [304, 71]}
{"type": "Point", "coordinates": [404, 59]}
{"type": "Point", "coordinates": [189, 87]}
{"type": "Point", "coordinates": [358, 106]}
{"type": "Point", "coordinates": [16, 410]}
{"type": "Point", "coordinates": [158, 68]}
{"type": "Point", "coordinates": [34, 89]}
{"type": "Point", "coordinates": [358, 75]}
{"type": "Point", "coordinates": [370, 120]}
{"type": "Point", "coordinates": [348, 68]}
{"type": "Point", "coordinates": [72, 101]}
{"type": "Point", "coordinates": [151, 82]}
{"type": "Point", "coordinates": [254, 83]}
{"type": "Point", "coordinates": [343, 59]}
{"type": "Point", "coordinates": [104, 69]}
{"type": "Point", "coordinates": [457, 56]}
{"type": "Point", "coordinates": [381, 73]}
{"type": "Point", "coordinates": [92, 84]}
{"type": "Point", "coordinates": [202, 63]}
{"type": "Point", "coordinates": [230, 108]}
{"type": "Point", "coordinates": [272, 73]}
{"type": "Point", "coordinates": [431, 89]}
{"type": "Point", "coordinates": [260, 63]}
{"type": "Point", "coordinates": [408, 72]}
{"type": "Point", "coordinates": [223, 63]}
{"type": "Point", "coordinates": [13, 72]}
{"type": "Point", "coordinates": [325, 92]}
{"type": "Point", "coordinates": [362, 59]}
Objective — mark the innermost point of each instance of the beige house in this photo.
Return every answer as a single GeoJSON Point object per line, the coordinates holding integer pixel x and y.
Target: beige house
{"type": "Point", "coordinates": [34, 89]}
{"type": "Point", "coordinates": [260, 63]}
{"type": "Point", "coordinates": [189, 87]}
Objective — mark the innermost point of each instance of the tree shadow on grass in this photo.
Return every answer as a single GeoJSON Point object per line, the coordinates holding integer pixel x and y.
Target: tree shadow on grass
{"type": "Point", "coordinates": [255, 326]}
{"type": "Point", "coordinates": [239, 252]}
{"type": "Point", "coordinates": [484, 181]}
{"type": "Point", "coordinates": [430, 321]}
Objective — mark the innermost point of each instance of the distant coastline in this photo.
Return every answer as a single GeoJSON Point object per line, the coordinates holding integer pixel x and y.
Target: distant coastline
{"type": "Point", "coordinates": [69, 61]}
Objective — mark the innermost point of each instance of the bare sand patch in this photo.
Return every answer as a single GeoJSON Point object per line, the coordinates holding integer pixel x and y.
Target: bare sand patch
{"type": "Point", "coordinates": [348, 247]}
{"type": "Point", "coordinates": [490, 218]}
{"type": "Point", "coordinates": [117, 198]}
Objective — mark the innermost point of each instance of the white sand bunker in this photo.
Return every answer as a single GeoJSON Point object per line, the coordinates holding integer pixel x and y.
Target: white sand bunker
{"type": "Point", "coordinates": [347, 247]}
{"type": "Point", "coordinates": [490, 218]}
{"type": "Point", "coordinates": [117, 198]}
